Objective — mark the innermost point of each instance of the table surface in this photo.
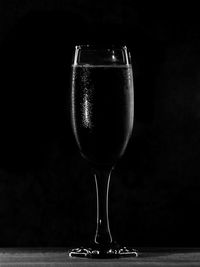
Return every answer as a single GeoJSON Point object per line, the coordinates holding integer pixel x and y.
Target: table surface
{"type": "Point", "coordinates": [59, 257]}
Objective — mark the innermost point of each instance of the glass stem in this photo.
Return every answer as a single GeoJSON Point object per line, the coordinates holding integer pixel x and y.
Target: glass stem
{"type": "Point", "coordinates": [102, 178]}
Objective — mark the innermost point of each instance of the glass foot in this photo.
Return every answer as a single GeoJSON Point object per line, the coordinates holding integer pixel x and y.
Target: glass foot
{"type": "Point", "coordinates": [102, 252]}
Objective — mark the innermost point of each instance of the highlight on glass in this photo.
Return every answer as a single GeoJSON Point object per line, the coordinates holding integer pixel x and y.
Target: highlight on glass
{"type": "Point", "coordinates": [102, 111]}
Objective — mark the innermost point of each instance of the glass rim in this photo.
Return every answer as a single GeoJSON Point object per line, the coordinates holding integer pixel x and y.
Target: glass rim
{"type": "Point", "coordinates": [100, 47]}
{"type": "Point", "coordinates": [102, 50]}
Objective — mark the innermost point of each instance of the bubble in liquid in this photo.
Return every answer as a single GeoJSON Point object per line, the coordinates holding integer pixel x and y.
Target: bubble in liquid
{"type": "Point", "coordinates": [87, 99]}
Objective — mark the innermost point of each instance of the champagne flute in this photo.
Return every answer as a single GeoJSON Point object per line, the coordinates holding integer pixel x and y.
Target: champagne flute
{"type": "Point", "coordinates": [102, 108]}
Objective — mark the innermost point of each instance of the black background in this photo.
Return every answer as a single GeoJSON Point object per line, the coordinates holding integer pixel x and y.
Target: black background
{"type": "Point", "coordinates": [47, 192]}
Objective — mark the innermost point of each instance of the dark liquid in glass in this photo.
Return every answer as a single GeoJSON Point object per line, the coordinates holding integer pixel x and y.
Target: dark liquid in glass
{"type": "Point", "coordinates": [102, 111]}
